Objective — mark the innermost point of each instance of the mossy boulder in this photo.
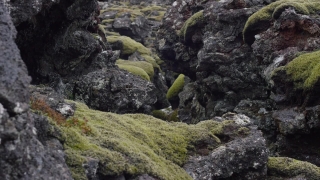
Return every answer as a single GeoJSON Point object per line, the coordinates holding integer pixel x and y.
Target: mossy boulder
{"type": "Point", "coordinates": [129, 45]}
{"type": "Point", "coordinates": [146, 66]}
{"type": "Point", "coordinates": [288, 168]}
{"type": "Point", "coordinates": [166, 114]}
{"type": "Point", "coordinates": [304, 70]}
{"type": "Point", "coordinates": [189, 26]}
{"type": "Point", "coordinates": [135, 70]}
{"type": "Point", "coordinates": [273, 11]}
{"type": "Point", "coordinates": [176, 87]}
{"type": "Point", "coordinates": [134, 144]}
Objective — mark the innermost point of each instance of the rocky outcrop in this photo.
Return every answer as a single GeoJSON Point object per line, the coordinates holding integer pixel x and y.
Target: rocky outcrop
{"type": "Point", "coordinates": [26, 149]}
{"type": "Point", "coordinates": [195, 41]}
{"type": "Point", "coordinates": [116, 91]}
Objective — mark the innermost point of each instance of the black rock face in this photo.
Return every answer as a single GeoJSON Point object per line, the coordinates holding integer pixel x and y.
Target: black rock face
{"type": "Point", "coordinates": [23, 156]}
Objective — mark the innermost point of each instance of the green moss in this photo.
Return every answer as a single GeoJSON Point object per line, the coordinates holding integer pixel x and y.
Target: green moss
{"type": "Point", "coordinates": [288, 167]}
{"type": "Point", "coordinates": [275, 9]}
{"type": "Point", "coordinates": [194, 20]}
{"type": "Point", "coordinates": [167, 116]}
{"type": "Point", "coordinates": [146, 66]}
{"type": "Point", "coordinates": [305, 70]}
{"type": "Point", "coordinates": [151, 60]}
{"type": "Point", "coordinates": [107, 21]}
{"type": "Point", "coordinates": [133, 143]}
{"type": "Point", "coordinates": [135, 70]}
{"type": "Point", "coordinates": [129, 45]}
{"type": "Point", "coordinates": [176, 87]}
{"type": "Point", "coordinates": [110, 33]}
{"type": "Point", "coordinates": [102, 28]}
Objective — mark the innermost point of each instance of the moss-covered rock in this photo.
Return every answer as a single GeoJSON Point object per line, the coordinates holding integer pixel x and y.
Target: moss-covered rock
{"type": "Point", "coordinates": [134, 143]}
{"type": "Point", "coordinates": [146, 66]}
{"type": "Point", "coordinates": [176, 87]}
{"type": "Point", "coordinates": [166, 114]}
{"type": "Point", "coordinates": [193, 21]}
{"type": "Point", "coordinates": [304, 70]}
{"type": "Point", "coordinates": [288, 167]}
{"type": "Point", "coordinates": [129, 45]}
{"type": "Point", "coordinates": [151, 60]}
{"type": "Point", "coordinates": [274, 10]}
{"type": "Point", "coordinates": [135, 70]}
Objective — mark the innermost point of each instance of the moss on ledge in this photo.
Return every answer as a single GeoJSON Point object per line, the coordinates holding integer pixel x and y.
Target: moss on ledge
{"type": "Point", "coordinates": [194, 20]}
{"type": "Point", "coordinates": [133, 144]}
{"type": "Point", "coordinates": [146, 66]}
{"type": "Point", "coordinates": [288, 167]}
{"type": "Point", "coordinates": [274, 10]}
{"type": "Point", "coordinates": [304, 70]}
{"type": "Point", "coordinates": [135, 70]}
{"type": "Point", "coordinates": [129, 45]}
{"type": "Point", "coordinates": [176, 87]}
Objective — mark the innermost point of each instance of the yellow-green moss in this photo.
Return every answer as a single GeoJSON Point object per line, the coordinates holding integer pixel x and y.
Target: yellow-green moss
{"type": "Point", "coordinates": [151, 60]}
{"type": "Point", "coordinates": [129, 45]}
{"type": "Point", "coordinates": [107, 21]}
{"type": "Point", "coordinates": [274, 10]}
{"type": "Point", "coordinates": [176, 87]}
{"type": "Point", "coordinates": [305, 70]}
{"type": "Point", "coordinates": [288, 167]}
{"type": "Point", "coordinates": [135, 70]}
{"type": "Point", "coordinates": [133, 143]}
{"type": "Point", "coordinates": [191, 22]}
{"type": "Point", "coordinates": [169, 116]}
{"type": "Point", "coordinates": [146, 66]}
{"type": "Point", "coordinates": [102, 28]}
{"type": "Point", "coordinates": [110, 33]}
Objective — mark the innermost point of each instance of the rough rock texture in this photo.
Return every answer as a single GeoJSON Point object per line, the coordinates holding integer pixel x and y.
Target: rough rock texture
{"type": "Point", "coordinates": [14, 77]}
{"type": "Point", "coordinates": [26, 150]}
{"type": "Point", "coordinates": [116, 91]}
{"type": "Point", "coordinates": [223, 69]}
{"type": "Point", "coordinates": [241, 158]}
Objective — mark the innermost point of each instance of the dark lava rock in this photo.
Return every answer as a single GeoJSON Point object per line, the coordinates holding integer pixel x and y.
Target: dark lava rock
{"type": "Point", "coordinates": [14, 79]}
{"type": "Point", "coordinates": [203, 40]}
{"type": "Point", "coordinates": [241, 158]}
{"type": "Point", "coordinates": [26, 149]}
{"type": "Point", "coordinates": [116, 91]}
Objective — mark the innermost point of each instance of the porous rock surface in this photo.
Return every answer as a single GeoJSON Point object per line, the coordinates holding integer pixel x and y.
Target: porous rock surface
{"type": "Point", "coordinates": [25, 150]}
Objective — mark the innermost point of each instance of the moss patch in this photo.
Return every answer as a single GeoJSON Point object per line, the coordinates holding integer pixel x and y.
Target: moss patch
{"type": "Point", "coordinates": [135, 70]}
{"type": "Point", "coordinates": [171, 116]}
{"type": "Point", "coordinates": [288, 167]}
{"type": "Point", "coordinates": [146, 66]}
{"type": "Point", "coordinates": [151, 60]}
{"type": "Point", "coordinates": [129, 45]}
{"type": "Point", "coordinates": [176, 87]}
{"type": "Point", "coordinates": [134, 143]}
{"type": "Point", "coordinates": [274, 10]}
{"type": "Point", "coordinates": [193, 21]}
{"type": "Point", "coordinates": [305, 70]}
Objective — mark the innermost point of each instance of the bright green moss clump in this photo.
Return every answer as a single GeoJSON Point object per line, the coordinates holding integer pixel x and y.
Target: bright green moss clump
{"type": "Point", "coordinates": [134, 143]}
{"type": "Point", "coordinates": [176, 87]}
{"type": "Point", "coordinates": [194, 20]}
{"type": "Point", "coordinates": [147, 67]}
{"type": "Point", "coordinates": [129, 45]}
{"type": "Point", "coordinates": [135, 70]}
{"type": "Point", "coordinates": [275, 9]}
{"type": "Point", "coordinates": [305, 70]}
{"type": "Point", "coordinates": [288, 167]}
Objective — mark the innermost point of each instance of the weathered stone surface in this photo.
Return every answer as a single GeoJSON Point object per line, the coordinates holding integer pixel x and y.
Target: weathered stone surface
{"type": "Point", "coordinates": [27, 150]}
{"type": "Point", "coordinates": [116, 91]}
{"type": "Point", "coordinates": [242, 158]}
{"type": "Point", "coordinates": [14, 77]}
